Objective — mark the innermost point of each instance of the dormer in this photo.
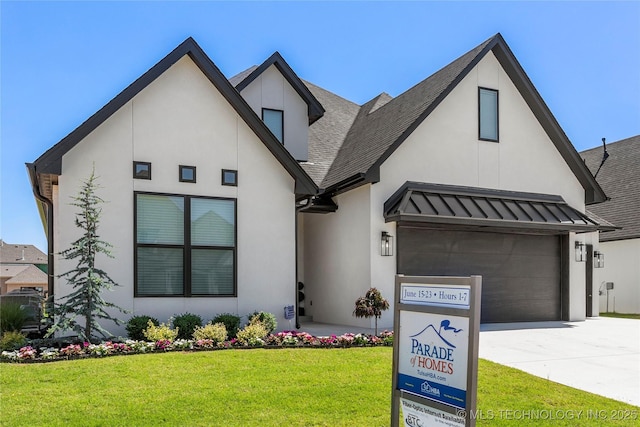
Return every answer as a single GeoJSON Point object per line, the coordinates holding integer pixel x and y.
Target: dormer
{"type": "Point", "coordinates": [285, 104]}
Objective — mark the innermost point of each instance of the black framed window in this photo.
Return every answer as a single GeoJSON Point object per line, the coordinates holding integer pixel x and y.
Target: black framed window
{"type": "Point", "coordinates": [141, 170]}
{"type": "Point", "coordinates": [488, 114]}
{"type": "Point", "coordinates": [187, 173]}
{"type": "Point", "coordinates": [274, 119]}
{"type": "Point", "coordinates": [184, 245]}
{"type": "Point", "coordinates": [230, 177]}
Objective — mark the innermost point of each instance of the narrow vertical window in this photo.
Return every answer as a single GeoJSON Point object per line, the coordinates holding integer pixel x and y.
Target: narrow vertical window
{"type": "Point", "coordinates": [274, 119]}
{"type": "Point", "coordinates": [488, 114]}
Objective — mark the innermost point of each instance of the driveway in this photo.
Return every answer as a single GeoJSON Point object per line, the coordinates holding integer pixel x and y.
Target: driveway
{"type": "Point", "coordinates": [600, 355]}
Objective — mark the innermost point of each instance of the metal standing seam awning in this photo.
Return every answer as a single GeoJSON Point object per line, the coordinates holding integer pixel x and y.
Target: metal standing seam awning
{"type": "Point", "coordinates": [416, 202]}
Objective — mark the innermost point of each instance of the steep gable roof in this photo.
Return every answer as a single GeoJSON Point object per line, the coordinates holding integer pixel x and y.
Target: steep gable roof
{"type": "Point", "coordinates": [242, 80]}
{"type": "Point", "coordinates": [620, 179]}
{"type": "Point", "coordinates": [378, 131]}
{"type": "Point", "coordinates": [51, 161]}
{"type": "Point", "coordinates": [29, 275]}
{"type": "Point", "coordinates": [21, 254]}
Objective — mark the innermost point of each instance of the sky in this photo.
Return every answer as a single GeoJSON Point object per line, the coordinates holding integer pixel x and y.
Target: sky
{"type": "Point", "coordinates": [60, 62]}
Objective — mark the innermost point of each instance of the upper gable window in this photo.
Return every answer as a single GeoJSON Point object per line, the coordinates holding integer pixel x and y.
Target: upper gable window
{"type": "Point", "coordinates": [488, 114]}
{"type": "Point", "coordinates": [274, 119]}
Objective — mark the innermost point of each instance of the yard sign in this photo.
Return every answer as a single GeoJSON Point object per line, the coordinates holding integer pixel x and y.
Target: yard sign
{"type": "Point", "coordinates": [435, 350]}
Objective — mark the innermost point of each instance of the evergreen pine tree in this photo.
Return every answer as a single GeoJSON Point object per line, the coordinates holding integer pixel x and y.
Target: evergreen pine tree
{"type": "Point", "coordinates": [88, 281]}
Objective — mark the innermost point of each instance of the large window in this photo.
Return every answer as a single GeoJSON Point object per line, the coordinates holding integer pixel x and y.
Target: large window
{"type": "Point", "coordinates": [488, 114]}
{"type": "Point", "coordinates": [274, 119]}
{"type": "Point", "coordinates": [185, 246]}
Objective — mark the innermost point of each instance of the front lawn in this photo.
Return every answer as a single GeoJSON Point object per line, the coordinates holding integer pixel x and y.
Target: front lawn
{"type": "Point", "coordinates": [260, 387]}
{"type": "Point", "coordinates": [621, 315]}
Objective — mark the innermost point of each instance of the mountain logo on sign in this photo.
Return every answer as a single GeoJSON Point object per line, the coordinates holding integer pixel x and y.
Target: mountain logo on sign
{"type": "Point", "coordinates": [445, 326]}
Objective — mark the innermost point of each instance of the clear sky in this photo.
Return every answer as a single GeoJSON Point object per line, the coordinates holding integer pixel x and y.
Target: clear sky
{"type": "Point", "coordinates": [62, 61]}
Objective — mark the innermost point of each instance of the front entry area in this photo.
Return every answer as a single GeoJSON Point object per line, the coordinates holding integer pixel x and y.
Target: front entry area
{"type": "Point", "coordinates": [521, 273]}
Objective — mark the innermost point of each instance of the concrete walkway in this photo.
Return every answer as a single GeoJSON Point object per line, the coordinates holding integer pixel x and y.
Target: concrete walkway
{"type": "Point", "coordinates": [600, 355]}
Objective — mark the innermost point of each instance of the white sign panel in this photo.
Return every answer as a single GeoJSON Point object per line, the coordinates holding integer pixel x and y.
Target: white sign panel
{"type": "Point", "coordinates": [436, 295]}
{"type": "Point", "coordinates": [433, 356]}
{"type": "Point", "coordinates": [417, 415]}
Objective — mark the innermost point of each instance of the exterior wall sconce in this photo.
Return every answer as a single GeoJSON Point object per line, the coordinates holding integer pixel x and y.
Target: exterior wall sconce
{"type": "Point", "coordinates": [386, 248]}
{"type": "Point", "coordinates": [581, 252]}
{"type": "Point", "coordinates": [598, 259]}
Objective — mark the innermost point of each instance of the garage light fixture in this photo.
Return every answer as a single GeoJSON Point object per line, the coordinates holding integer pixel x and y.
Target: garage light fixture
{"type": "Point", "coordinates": [598, 259]}
{"type": "Point", "coordinates": [386, 248]}
{"type": "Point", "coordinates": [581, 252]}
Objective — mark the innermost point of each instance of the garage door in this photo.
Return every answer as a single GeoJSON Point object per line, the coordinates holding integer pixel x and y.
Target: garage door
{"type": "Point", "coordinates": [520, 272]}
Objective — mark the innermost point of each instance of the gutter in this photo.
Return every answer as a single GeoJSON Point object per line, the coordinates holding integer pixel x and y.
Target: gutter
{"type": "Point", "coordinates": [46, 213]}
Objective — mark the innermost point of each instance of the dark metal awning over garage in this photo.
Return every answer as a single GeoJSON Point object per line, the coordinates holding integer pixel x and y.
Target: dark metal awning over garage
{"type": "Point", "coordinates": [470, 206]}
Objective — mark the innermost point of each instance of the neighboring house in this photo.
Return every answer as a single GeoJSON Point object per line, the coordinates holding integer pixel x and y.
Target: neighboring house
{"type": "Point", "coordinates": [619, 176]}
{"type": "Point", "coordinates": [297, 188]}
{"type": "Point", "coordinates": [22, 266]}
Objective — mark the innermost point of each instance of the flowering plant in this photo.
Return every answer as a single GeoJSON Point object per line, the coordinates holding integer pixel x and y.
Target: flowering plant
{"type": "Point", "coordinates": [252, 336]}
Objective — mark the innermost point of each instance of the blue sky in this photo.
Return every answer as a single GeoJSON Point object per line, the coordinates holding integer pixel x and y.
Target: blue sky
{"type": "Point", "coordinates": [62, 61]}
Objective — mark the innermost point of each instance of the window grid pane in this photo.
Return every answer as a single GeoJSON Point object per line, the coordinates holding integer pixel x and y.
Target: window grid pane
{"type": "Point", "coordinates": [212, 222]}
{"type": "Point", "coordinates": [212, 272]}
{"type": "Point", "coordinates": [160, 219]}
{"type": "Point", "coordinates": [160, 271]}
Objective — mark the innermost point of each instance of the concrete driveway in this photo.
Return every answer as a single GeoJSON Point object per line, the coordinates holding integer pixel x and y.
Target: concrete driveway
{"type": "Point", "coordinates": [600, 355]}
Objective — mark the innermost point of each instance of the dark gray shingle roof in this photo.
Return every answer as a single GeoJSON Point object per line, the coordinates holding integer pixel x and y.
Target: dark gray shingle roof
{"type": "Point", "coordinates": [327, 134]}
{"type": "Point", "coordinates": [620, 179]}
{"type": "Point", "coordinates": [377, 131]}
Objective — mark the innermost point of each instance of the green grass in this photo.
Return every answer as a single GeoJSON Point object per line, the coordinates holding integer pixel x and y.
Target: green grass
{"type": "Point", "coordinates": [288, 387]}
{"type": "Point", "coordinates": [622, 315]}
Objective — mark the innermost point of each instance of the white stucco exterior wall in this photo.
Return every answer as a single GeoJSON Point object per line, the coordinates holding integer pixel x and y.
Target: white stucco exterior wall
{"type": "Point", "coordinates": [272, 90]}
{"type": "Point", "coordinates": [181, 119]}
{"type": "Point", "coordinates": [622, 267]}
{"type": "Point", "coordinates": [337, 259]}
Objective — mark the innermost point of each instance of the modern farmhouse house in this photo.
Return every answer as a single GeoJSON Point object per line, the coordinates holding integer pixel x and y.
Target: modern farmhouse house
{"type": "Point", "coordinates": [263, 191]}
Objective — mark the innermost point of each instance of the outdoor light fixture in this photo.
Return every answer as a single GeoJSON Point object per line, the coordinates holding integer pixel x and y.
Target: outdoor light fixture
{"type": "Point", "coordinates": [581, 252]}
{"type": "Point", "coordinates": [386, 248]}
{"type": "Point", "coordinates": [598, 259]}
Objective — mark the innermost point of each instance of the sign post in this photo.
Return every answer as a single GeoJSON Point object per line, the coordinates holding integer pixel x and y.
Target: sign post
{"type": "Point", "coordinates": [435, 350]}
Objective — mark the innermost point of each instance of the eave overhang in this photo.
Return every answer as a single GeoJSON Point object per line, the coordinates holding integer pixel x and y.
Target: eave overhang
{"type": "Point", "coordinates": [424, 203]}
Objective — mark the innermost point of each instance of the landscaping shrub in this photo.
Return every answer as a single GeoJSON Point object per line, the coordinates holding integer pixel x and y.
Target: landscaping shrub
{"type": "Point", "coordinates": [137, 324]}
{"type": "Point", "coordinates": [161, 332]}
{"type": "Point", "coordinates": [231, 323]}
{"type": "Point", "coordinates": [12, 317]}
{"type": "Point", "coordinates": [253, 334]}
{"type": "Point", "coordinates": [12, 340]}
{"type": "Point", "coordinates": [268, 320]}
{"type": "Point", "coordinates": [211, 331]}
{"type": "Point", "coordinates": [186, 323]}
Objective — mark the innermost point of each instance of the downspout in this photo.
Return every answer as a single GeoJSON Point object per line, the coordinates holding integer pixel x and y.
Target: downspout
{"type": "Point", "coordinates": [31, 170]}
{"type": "Point", "coordinates": [298, 207]}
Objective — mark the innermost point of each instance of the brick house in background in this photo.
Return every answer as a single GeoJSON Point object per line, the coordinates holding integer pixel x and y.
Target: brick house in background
{"type": "Point", "coordinates": [22, 266]}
